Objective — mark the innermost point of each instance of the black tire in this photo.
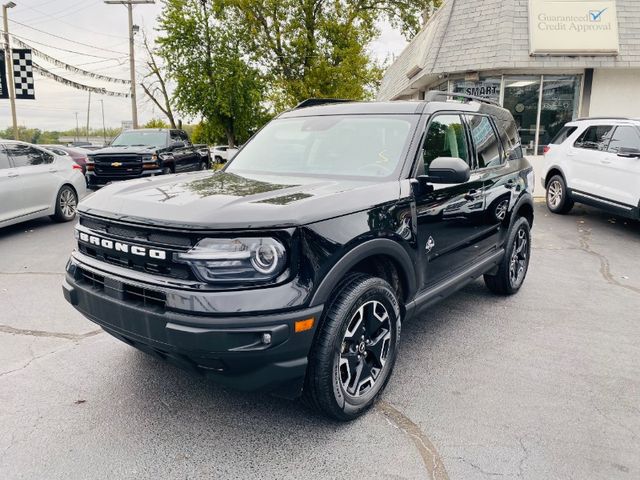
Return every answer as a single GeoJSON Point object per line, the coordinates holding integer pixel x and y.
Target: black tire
{"type": "Point", "coordinates": [66, 204]}
{"type": "Point", "coordinates": [219, 160]}
{"type": "Point", "coordinates": [167, 171]}
{"type": "Point", "coordinates": [558, 199]}
{"type": "Point", "coordinates": [350, 335]}
{"type": "Point", "coordinates": [204, 165]}
{"type": "Point", "coordinates": [513, 268]}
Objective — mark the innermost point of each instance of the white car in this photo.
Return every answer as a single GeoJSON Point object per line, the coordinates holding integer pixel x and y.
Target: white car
{"type": "Point", "coordinates": [595, 161]}
{"type": "Point", "coordinates": [222, 153]}
{"type": "Point", "coordinates": [35, 182]}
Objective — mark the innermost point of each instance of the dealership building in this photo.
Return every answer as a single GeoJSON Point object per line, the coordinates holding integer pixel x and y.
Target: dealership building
{"type": "Point", "coordinates": [547, 61]}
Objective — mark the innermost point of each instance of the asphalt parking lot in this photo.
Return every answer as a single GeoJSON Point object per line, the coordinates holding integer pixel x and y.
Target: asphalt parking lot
{"type": "Point", "coordinates": [545, 384]}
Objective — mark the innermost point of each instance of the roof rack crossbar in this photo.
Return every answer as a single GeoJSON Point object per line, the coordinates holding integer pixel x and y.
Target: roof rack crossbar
{"type": "Point", "coordinates": [314, 102]}
{"type": "Point", "coordinates": [434, 95]}
{"type": "Point", "coordinates": [582, 119]}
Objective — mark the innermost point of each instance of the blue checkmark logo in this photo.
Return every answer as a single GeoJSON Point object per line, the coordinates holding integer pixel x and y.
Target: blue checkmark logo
{"type": "Point", "coordinates": [596, 15]}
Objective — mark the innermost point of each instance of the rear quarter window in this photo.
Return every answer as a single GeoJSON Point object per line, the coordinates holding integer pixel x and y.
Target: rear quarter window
{"type": "Point", "coordinates": [563, 134]}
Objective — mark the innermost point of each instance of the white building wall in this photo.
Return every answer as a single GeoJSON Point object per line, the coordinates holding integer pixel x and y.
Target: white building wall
{"type": "Point", "coordinates": [615, 93]}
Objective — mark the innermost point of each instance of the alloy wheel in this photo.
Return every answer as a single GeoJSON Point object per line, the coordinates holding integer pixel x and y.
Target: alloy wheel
{"type": "Point", "coordinates": [365, 348]}
{"type": "Point", "coordinates": [519, 258]}
{"type": "Point", "coordinates": [68, 203]}
{"type": "Point", "coordinates": [554, 194]}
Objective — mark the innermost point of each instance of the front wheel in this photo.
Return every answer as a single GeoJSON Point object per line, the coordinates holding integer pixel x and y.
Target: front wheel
{"type": "Point", "coordinates": [66, 204]}
{"type": "Point", "coordinates": [514, 266]}
{"type": "Point", "coordinates": [355, 349]}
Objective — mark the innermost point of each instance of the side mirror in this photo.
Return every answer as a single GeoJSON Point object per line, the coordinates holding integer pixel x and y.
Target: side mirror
{"type": "Point", "coordinates": [448, 170]}
{"type": "Point", "coordinates": [629, 152]}
{"type": "Point", "coordinates": [178, 144]}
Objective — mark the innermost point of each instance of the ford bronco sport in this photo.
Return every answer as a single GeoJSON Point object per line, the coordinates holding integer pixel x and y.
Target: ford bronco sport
{"type": "Point", "coordinates": [293, 268]}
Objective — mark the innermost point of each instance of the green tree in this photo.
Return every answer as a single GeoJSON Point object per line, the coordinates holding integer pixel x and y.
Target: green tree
{"type": "Point", "coordinates": [205, 56]}
{"type": "Point", "coordinates": [318, 48]}
{"type": "Point", "coordinates": [156, 123]}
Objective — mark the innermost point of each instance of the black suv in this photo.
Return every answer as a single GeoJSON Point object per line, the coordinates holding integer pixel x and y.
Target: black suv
{"type": "Point", "coordinates": [292, 269]}
{"type": "Point", "coordinates": [145, 152]}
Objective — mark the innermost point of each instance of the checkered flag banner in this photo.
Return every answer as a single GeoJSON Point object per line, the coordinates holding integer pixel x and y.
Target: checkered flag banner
{"type": "Point", "coordinates": [23, 74]}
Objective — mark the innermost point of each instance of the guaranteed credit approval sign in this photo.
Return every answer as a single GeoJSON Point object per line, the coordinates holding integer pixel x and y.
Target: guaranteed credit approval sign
{"type": "Point", "coordinates": [573, 27]}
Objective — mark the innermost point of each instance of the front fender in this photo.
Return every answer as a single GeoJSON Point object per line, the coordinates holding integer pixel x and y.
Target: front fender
{"type": "Point", "coordinates": [369, 248]}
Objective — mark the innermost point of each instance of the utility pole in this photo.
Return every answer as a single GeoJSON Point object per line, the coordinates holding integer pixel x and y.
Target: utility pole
{"type": "Point", "coordinates": [9, 64]}
{"type": "Point", "coordinates": [104, 129]}
{"type": "Point", "coordinates": [88, 113]}
{"type": "Point", "coordinates": [77, 128]}
{"type": "Point", "coordinates": [132, 62]}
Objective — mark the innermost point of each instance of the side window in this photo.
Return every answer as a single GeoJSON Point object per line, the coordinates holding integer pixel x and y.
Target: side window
{"type": "Point", "coordinates": [595, 138]}
{"type": "Point", "coordinates": [624, 137]}
{"type": "Point", "coordinates": [26, 155]}
{"type": "Point", "coordinates": [445, 138]}
{"type": "Point", "coordinates": [4, 159]}
{"type": "Point", "coordinates": [563, 134]}
{"type": "Point", "coordinates": [175, 136]}
{"type": "Point", "coordinates": [486, 141]}
{"type": "Point", "coordinates": [184, 137]}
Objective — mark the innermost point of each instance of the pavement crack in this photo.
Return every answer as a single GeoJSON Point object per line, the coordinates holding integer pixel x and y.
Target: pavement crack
{"type": "Point", "coordinates": [478, 468]}
{"type": "Point", "coordinates": [42, 333]}
{"type": "Point", "coordinates": [430, 456]}
{"type": "Point", "coordinates": [584, 235]}
{"type": "Point", "coordinates": [524, 458]}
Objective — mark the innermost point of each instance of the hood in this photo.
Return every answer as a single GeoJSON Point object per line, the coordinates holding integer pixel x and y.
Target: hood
{"type": "Point", "coordinates": [126, 150]}
{"type": "Point", "coordinates": [207, 200]}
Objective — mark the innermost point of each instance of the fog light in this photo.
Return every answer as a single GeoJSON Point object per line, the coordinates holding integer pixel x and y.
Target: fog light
{"type": "Point", "coordinates": [266, 338]}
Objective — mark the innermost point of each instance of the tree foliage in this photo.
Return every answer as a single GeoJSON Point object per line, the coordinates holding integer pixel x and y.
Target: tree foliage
{"type": "Point", "coordinates": [319, 48]}
{"type": "Point", "coordinates": [205, 56]}
{"type": "Point", "coordinates": [156, 123]}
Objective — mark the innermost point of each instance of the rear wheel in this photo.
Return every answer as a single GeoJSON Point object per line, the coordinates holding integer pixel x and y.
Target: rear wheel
{"type": "Point", "coordinates": [558, 200]}
{"type": "Point", "coordinates": [66, 204]}
{"type": "Point", "coordinates": [355, 349]}
{"type": "Point", "coordinates": [514, 266]}
{"type": "Point", "coordinates": [203, 165]}
{"type": "Point", "coordinates": [167, 171]}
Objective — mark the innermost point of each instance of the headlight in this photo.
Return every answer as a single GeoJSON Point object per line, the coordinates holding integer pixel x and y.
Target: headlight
{"type": "Point", "coordinates": [240, 260]}
{"type": "Point", "coordinates": [150, 158]}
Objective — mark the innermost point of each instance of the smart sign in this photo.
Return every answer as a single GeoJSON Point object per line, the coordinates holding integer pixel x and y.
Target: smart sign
{"type": "Point", "coordinates": [573, 27]}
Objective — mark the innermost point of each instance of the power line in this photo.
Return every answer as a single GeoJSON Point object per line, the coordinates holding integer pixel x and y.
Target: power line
{"type": "Point", "coordinates": [66, 39]}
{"type": "Point", "coordinates": [64, 49]}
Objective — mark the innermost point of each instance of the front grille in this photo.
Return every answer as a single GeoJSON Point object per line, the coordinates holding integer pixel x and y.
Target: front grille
{"type": "Point", "coordinates": [148, 298]}
{"type": "Point", "coordinates": [118, 165]}
{"type": "Point", "coordinates": [140, 237]}
{"type": "Point", "coordinates": [92, 279]}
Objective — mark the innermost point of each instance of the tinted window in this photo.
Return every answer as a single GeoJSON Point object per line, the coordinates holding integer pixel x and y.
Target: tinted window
{"type": "Point", "coordinates": [184, 137]}
{"type": "Point", "coordinates": [563, 134]}
{"type": "Point", "coordinates": [445, 138]}
{"type": "Point", "coordinates": [4, 159]}
{"type": "Point", "coordinates": [486, 141]}
{"type": "Point", "coordinates": [140, 138]}
{"type": "Point", "coordinates": [25, 155]}
{"type": "Point", "coordinates": [624, 137]}
{"type": "Point", "coordinates": [595, 138]}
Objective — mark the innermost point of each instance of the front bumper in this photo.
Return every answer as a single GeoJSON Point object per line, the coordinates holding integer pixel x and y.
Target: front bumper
{"type": "Point", "coordinates": [231, 349]}
{"type": "Point", "coordinates": [94, 179]}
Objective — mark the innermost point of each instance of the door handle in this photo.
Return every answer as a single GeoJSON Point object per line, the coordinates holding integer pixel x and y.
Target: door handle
{"type": "Point", "coordinates": [13, 175]}
{"type": "Point", "coordinates": [472, 195]}
{"type": "Point", "coordinates": [605, 162]}
{"type": "Point", "coordinates": [54, 170]}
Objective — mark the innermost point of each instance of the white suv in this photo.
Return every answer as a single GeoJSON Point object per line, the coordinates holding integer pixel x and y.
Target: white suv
{"type": "Point", "coordinates": [595, 161]}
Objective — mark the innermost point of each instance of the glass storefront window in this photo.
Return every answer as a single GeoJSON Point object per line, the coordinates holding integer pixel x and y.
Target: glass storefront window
{"type": "Point", "coordinates": [486, 88]}
{"type": "Point", "coordinates": [521, 97]}
{"type": "Point", "coordinates": [560, 97]}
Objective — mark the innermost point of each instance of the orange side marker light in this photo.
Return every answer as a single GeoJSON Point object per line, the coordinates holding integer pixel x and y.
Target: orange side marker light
{"type": "Point", "coordinates": [304, 325]}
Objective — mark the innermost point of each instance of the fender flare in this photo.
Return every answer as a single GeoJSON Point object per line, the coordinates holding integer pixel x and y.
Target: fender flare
{"type": "Point", "coordinates": [525, 199]}
{"type": "Point", "coordinates": [378, 246]}
{"type": "Point", "coordinates": [554, 167]}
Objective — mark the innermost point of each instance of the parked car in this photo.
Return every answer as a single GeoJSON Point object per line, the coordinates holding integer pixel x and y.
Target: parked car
{"type": "Point", "coordinates": [292, 268]}
{"type": "Point", "coordinates": [143, 153]}
{"type": "Point", "coordinates": [596, 162]}
{"type": "Point", "coordinates": [35, 182]}
{"type": "Point", "coordinates": [223, 153]}
{"type": "Point", "coordinates": [78, 155]}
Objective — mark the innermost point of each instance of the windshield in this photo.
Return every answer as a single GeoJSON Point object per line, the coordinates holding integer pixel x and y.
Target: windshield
{"type": "Point", "coordinates": [140, 139]}
{"type": "Point", "coordinates": [338, 145]}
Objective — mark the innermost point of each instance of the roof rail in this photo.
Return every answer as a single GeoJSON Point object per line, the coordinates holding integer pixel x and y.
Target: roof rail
{"type": "Point", "coordinates": [434, 95]}
{"type": "Point", "coordinates": [604, 118]}
{"type": "Point", "coordinates": [314, 102]}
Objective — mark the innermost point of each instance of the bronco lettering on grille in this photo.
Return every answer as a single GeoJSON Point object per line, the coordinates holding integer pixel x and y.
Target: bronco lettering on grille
{"type": "Point", "coordinates": [123, 247]}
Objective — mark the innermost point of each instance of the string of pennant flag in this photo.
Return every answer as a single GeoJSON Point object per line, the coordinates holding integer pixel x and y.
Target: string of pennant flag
{"type": "Point", "coordinates": [79, 86]}
{"type": "Point", "coordinates": [69, 68]}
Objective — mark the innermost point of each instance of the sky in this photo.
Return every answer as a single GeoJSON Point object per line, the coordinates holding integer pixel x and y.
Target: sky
{"type": "Point", "coordinates": [93, 36]}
